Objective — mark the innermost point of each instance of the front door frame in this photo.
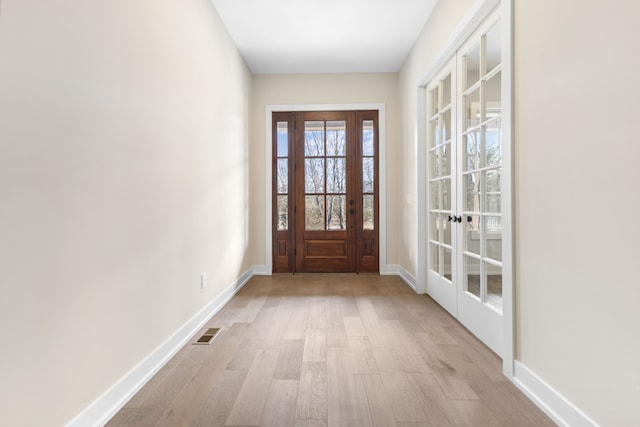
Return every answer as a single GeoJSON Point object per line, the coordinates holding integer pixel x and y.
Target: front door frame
{"type": "Point", "coordinates": [380, 107]}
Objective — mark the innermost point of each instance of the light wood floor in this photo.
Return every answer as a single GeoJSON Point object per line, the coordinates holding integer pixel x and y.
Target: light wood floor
{"type": "Point", "coordinates": [332, 350]}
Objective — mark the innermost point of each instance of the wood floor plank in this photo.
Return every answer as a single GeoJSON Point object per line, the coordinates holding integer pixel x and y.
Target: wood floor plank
{"type": "Point", "coordinates": [361, 355]}
{"type": "Point", "coordinates": [473, 413]}
{"type": "Point", "coordinates": [296, 328]}
{"type": "Point", "coordinates": [315, 346]}
{"type": "Point", "coordinates": [453, 383]}
{"type": "Point", "coordinates": [354, 327]}
{"type": "Point", "coordinates": [130, 417]}
{"type": "Point", "coordinates": [367, 313]}
{"type": "Point", "coordinates": [318, 350]}
{"type": "Point", "coordinates": [343, 400]}
{"type": "Point", "coordinates": [169, 385]}
{"type": "Point", "coordinates": [245, 354]}
{"type": "Point", "coordinates": [336, 332]}
{"type": "Point", "coordinates": [436, 406]}
{"type": "Point", "coordinates": [216, 409]}
{"type": "Point", "coordinates": [377, 406]}
{"type": "Point", "coordinates": [249, 313]}
{"type": "Point", "coordinates": [405, 396]}
{"type": "Point", "coordinates": [312, 392]}
{"type": "Point", "coordinates": [280, 408]}
{"type": "Point", "coordinates": [253, 394]}
{"type": "Point", "coordinates": [310, 423]}
{"type": "Point", "coordinates": [317, 318]}
{"type": "Point", "coordinates": [290, 360]}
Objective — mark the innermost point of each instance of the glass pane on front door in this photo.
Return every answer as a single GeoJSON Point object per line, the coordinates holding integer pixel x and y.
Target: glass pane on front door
{"type": "Point", "coordinates": [336, 138]}
{"type": "Point", "coordinates": [336, 212]}
{"type": "Point", "coordinates": [314, 212]}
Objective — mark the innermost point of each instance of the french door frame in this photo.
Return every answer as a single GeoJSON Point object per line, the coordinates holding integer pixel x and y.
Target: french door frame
{"type": "Point", "coordinates": [470, 24]}
{"type": "Point", "coordinates": [269, 110]}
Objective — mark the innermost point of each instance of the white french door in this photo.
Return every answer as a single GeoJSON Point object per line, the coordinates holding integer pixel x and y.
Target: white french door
{"type": "Point", "coordinates": [442, 179]}
{"type": "Point", "coordinates": [465, 155]}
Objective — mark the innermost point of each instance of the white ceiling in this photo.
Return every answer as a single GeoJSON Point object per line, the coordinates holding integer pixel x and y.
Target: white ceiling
{"type": "Point", "coordinates": [324, 36]}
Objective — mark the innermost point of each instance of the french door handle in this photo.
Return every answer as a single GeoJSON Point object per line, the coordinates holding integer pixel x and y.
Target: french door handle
{"type": "Point", "coordinates": [454, 218]}
{"type": "Point", "coordinates": [451, 218]}
{"type": "Point", "coordinates": [458, 219]}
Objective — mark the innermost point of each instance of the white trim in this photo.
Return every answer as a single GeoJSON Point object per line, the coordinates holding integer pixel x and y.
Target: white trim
{"type": "Point", "coordinates": [111, 401]}
{"type": "Point", "coordinates": [398, 270]}
{"type": "Point", "coordinates": [463, 31]}
{"type": "Point", "coordinates": [556, 406]}
{"type": "Point", "coordinates": [423, 251]}
{"type": "Point", "coordinates": [508, 192]}
{"type": "Point", "coordinates": [382, 193]}
{"type": "Point", "coordinates": [261, 270]}
{"type": "Point", "coordinates": [471, 22]}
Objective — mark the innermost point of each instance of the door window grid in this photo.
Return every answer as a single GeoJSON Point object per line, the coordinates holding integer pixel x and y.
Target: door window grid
{"type": "Point", "coordinates": [325, 175]}
{"type": "Point", "coordinates": [440, 161]}
{"type": "Point", "coordinates": [282, 175]}
{"type": "Point", "coordinates": [482, 166]}
{"type": "Point", "coordinates": [368, 175]}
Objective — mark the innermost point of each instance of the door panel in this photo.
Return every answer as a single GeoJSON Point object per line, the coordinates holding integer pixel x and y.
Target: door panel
{"type": "Point", "coordinates": [441, 276]}
{"type": "Point", "coordinates": [325, 187]}
{"type": "Point", "coordinates": [325, 227]}
{"type": "Point", "coordinates": [480, 190]}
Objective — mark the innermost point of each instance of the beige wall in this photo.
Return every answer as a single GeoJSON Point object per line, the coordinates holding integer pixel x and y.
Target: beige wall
{"type": "Point", "coordinates": [321, 89]}
{"type": "Point", "coordinates": [123, 176]}
{"type": "Point", "coordinates": [576, 175]}
{"type": "Point", "coordinates": [577, 199]}
{"type": "Point", "coordinates": [445, 18]}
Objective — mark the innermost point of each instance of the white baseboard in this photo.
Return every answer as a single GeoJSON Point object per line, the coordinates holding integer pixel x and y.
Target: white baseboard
{"type": "Point", "coordinates": [556, 406]}
{"type": "Point", "coordinates": [111, 401]}
{"type": "Point", "coordinates": [398, 270]}
{"type": "Point", "coordinates": [260, 270]}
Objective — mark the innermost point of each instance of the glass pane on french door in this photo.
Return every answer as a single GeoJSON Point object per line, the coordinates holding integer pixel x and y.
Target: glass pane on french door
{"type": "Point", "coordinates": [441, 164]}
{"type": "Point", "coordinates": [481, 173]}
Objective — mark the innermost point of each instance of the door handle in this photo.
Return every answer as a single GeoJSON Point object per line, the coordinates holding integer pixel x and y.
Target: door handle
{"type": "Point", "coordinates": [352, 211]}
{"type": "Point", "coordinates": [450, 219]}
{"type": "Point", "coordinates": [351, 202]}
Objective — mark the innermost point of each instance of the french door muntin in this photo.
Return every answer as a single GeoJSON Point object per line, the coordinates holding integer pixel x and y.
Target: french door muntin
{"type": "Point", "coordinates": [465, 228]}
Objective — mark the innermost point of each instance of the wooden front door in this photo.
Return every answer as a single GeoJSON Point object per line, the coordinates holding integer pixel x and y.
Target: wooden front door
{"type": "Point", "coordinates": [325, 202]}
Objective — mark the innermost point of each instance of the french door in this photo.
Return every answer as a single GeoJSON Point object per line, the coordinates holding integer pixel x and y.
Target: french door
{"type": "Point", "coordinates": [465, 172]}
{"type": "Point", "coordinates": [325, 187]}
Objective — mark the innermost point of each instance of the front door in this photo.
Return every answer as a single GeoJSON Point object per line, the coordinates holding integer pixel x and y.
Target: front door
{"type": "Point", "coordinates": [325, 192]}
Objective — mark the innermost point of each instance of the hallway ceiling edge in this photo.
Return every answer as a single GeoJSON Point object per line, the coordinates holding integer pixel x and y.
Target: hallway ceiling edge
{"type": "Point", "coordinates": [327, 36]}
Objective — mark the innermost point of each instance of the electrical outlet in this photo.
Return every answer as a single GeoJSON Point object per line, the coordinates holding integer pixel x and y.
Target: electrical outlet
{"type": "Point", "coordinates": [203, 280]}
